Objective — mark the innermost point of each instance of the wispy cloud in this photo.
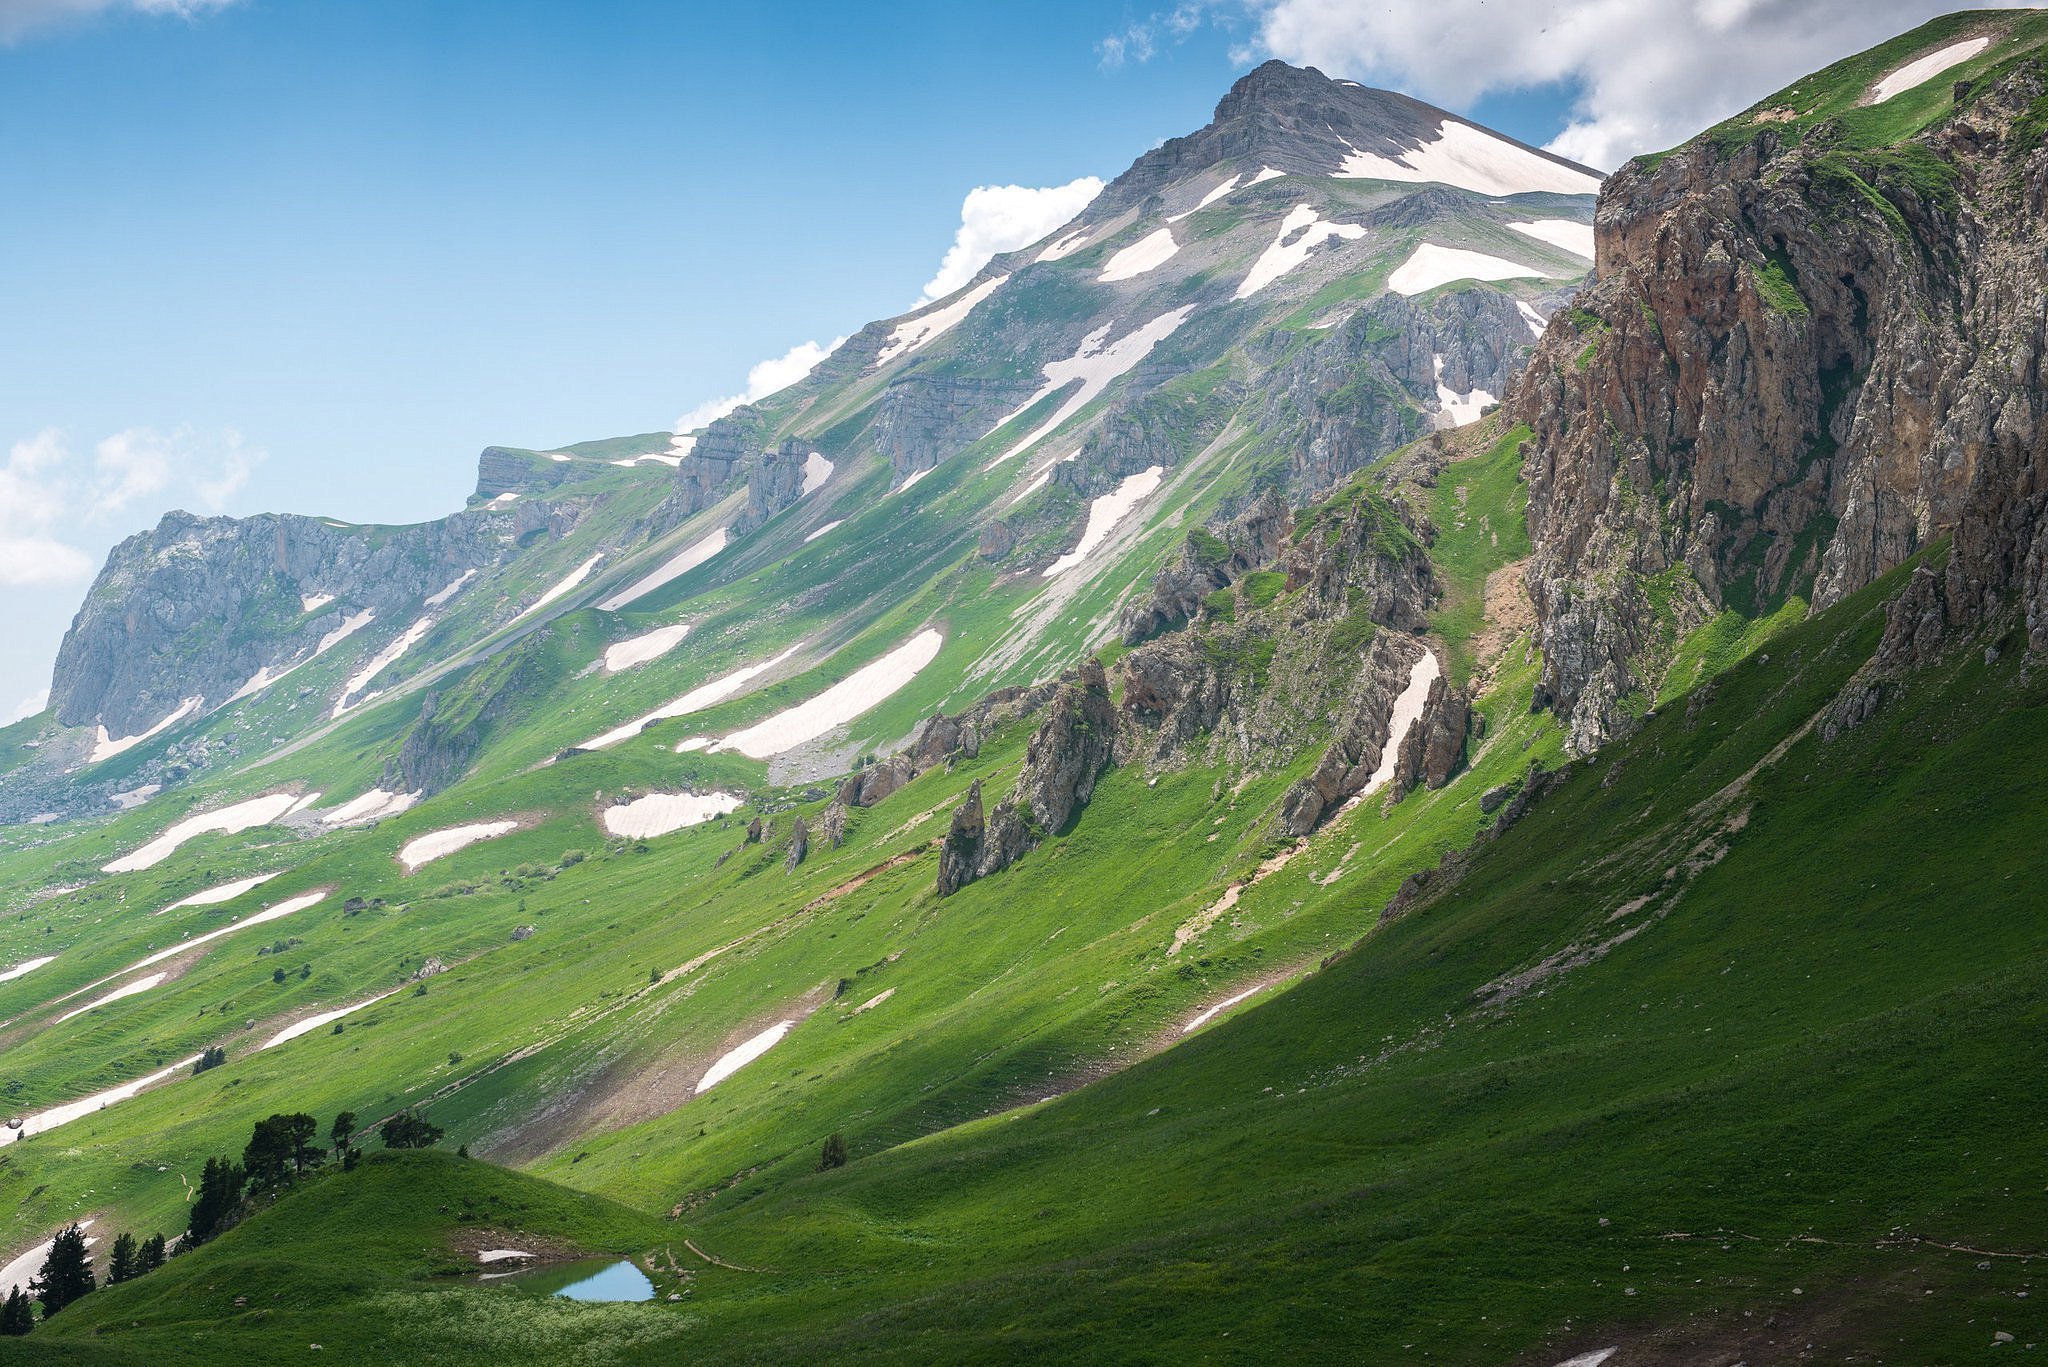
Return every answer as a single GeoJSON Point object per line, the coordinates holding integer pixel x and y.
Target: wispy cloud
{"type": "Point", "coordinates": [50, 500]}
{"type": "Point", "coordinates": [1140, 40]}
{"type": "Point", "coordinates": [21, 17]}
{"type": "Point", "coordinates": [27, 707]}
{"type": "Point", "coordinates": [771, 376]}
{"type": "Point", "coordinates": [1001, 218]}
{"type": "Point", "coordinates": [1647, 73]}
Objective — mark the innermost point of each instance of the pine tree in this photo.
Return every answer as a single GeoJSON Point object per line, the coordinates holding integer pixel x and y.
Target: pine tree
{"type": "Point", "coordinates": [121, 1264]}
{"type": "Point", "coordinates": [834, 1154]}
{"type": "Point", "coordinates": [18, 1315]}
{"type": "Point", "coordinates": [409, 1131]}
{"type": "Point", "coordinates": [67, 1272]}
{"type": "Point", "coordinates": [220, 1195]}
{"type": "Point", "coordinates": [152, 1256]}
{"type": "Point", "coordinates": [342, 1131]}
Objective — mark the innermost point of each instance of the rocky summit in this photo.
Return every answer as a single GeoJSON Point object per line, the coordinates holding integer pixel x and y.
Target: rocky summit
{"type": "Point", "coordinates": [1380, 749]}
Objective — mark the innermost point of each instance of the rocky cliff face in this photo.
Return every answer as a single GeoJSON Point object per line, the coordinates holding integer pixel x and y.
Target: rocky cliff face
{"type": "Point", "coordinates": [1802, 362]}
{"type": "Point", "coordinates": [924, 418]}
{"type": "Point", "coordinates": [194, 608]}
{"type": "Point", "coordinates": [1323, 663]}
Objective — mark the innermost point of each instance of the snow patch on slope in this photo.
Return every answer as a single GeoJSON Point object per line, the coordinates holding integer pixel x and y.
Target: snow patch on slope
{"type": "Point", "coordinates": [638, 650]}
{"type": "Point", "coordinates": [852, 696]}
{"type": "Point", "coordinates": [85, 1106]}
{"type": "Point", "coordinates": [1922, 70]}
{"type": "Point", "coordinates": [575, 577]}
{"type": "Point", "coordinates": [106, 747]}
{"type": "Point", "coordinates": [1470, 159]}
{"type": "Point", "coordinates": [1219, 192]}
{"type": "Point", "coordinates": [915, 333]}
{"type": "Point", "coordinates": [440, 844]}
{"type": "Point", "coordinates": [675, 568]}
{"type": "Point", "coordinates": [257, 811]}
{"type": "Point", "coordinates": [1103, 515]}
{"type": "Point", "coordinates": [360, 680]}
{"type": "Point", "coordinates": [1300, 233]}
{"type": "Point", "coordinates": [1562, 233]}
{"type": "Point", "coordinates": [660, 813]}
{"type": "Point", "coordinates": [1455, 409]}
{"type": "Point", "coordinates": [746, 1053]}
{"type": "Point", "coordinates": [1148, 253]}
{"type": "Point", "coordinates": [1430, 265]}
{"type": "Point", "coordinates": [226, 892]}
{"type": "Point", "coordinates": [696, 700]}
{"type": "Point", "coordinates": [1096, 364]}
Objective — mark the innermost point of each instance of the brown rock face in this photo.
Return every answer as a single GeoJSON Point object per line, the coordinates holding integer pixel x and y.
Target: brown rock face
{"type": "Point", "coordinates": [1798, 367]}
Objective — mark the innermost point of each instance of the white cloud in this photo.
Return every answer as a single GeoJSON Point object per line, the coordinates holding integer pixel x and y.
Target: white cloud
{"type": "Point", "coordinates": [1650, 73]}
{"type": "Point", "coordinates": [48, 502]}
{"type": "Point", "coordinates": [1001, 218]}
{"type": "Point", "coordinates": [771, 376]}
{"type": "Point", "coordinates": [18, 17]}
{"type": "Point", "coordinates": [28, 707]}
{"type": "Point", "coordinates": [1139, 40]}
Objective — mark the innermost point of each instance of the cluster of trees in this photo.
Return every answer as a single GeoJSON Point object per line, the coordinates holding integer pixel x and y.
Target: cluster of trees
{"type": "Point", "coordinates": [281, 1150]}
{"type": "Point", "coordinates": [213, 1057]}
{"type": "Point", "coordinates": [67, 1275]}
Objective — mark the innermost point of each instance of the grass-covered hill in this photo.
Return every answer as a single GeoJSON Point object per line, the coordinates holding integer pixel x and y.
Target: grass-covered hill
{"type": "Point", "coordinates": [1299, 985]}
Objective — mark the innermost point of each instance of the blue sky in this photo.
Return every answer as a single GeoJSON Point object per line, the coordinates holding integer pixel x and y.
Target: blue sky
{"type": "Point", "coordinates": [311, 255]}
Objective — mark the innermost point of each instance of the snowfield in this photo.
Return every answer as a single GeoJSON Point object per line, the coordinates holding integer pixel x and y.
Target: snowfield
{"type": "Point", "coordinates": [313, 602]}
{"type": "Point", "coordinates": [1562, 233]}
{"type": "Point", "coordinates": [675, 568]}
{"type": "Point", "coordinates": [384, 658]}
{"type": "Point", "coordinates": [1471, 159]}
{"type": "Point", "coordinates": [660, 813]}
{"type": "Point", "coordinates": [312, 1023]}
{"type": "Point", "coordinates": [696, 700]}
{"type": "Point", "coordinates": [1455, 409]}
{"type": "Point", "coordinates": [350, 625]}
{"type": "Point", "coordinates": [920, 331]}
{"type": "Point", "coordinates": [1300, 233]}
{"type": "Point", "coordinates": [374, 805]}
{"type": "Point", "coordinates": [829, 526]}
{"type": "Point", "coordinates": [1221, 1006]}
{"type": "Point", "coordinates": [1407, 711]}
{"type": "Point", "coordinates": [1103, 515]}
{"type": "Point", "coordinates": [1265, 174]}
{"type": "Point", "coordinates": [1095, 365]}
{"type": "Point", "coordinates": [1922, 70]}
{"type": "Point", "coordinates": [1219, 192]}
{"type": "Point", "coordinates": [226, 892]}
{"type": "Point", "coordinates": [442, 843]}
{"type": "Point", "coordinates": [575, 577]}
{"type": "Point", "coordinates": [742, 1056]}
{"type": "Point", "coordinates": [1148, 253]}
{"type": "Point", "coordinates": [26, 966]}
{"type": "Point", "coordinates": [134, 989]}
{"type": "Point", "coordinates": [435, 600]}
{"type": "Point", "coordinates": [85, 1106]}
{"type": "Point", "coordinates": [638, 650]}
{"type": "Point", "coordinates": [106, 747]}
{"type": "Point", "coordinates": [1538, 324]}
{"type": "Point", "coordinates": [1430, 265]}
{"type": "Point", "coordinates": [841, 703]}
{"type": "Point", "coordinates": [257, 811]}
{"type": "Point", "coordinates": [276, 913]}
{"type": "Point", "coordinates": [913, 478]}
{"type": "Point", "coordinates": [817, 470]}
{"type": "Point", "coordinates": [1066, 246]}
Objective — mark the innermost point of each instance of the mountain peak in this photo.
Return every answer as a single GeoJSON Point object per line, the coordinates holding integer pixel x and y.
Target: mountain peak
{"type": "Point", "coordinates": [1299, 121]}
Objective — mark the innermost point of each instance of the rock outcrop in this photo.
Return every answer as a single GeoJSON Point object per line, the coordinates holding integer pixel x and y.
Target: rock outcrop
{"type": "Point", "coordinates": [1802, 363]}
{"type": "Point", "coordinates": [1074, 744]}
{"type": "Point", "coordinates": [1209, 559]}
{"type": "Point", "coordinates": [926, 418]}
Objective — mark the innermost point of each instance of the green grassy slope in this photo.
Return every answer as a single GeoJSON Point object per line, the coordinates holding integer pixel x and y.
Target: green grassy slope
{"type": "Point", "coordinates": [1764, 1114]}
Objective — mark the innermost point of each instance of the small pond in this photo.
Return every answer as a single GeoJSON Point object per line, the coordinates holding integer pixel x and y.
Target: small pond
{"type": "Point", "coordinates": [586, 1279]}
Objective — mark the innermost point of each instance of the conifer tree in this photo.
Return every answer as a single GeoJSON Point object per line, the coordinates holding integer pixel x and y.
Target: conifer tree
{"type": "Point", "coordinates": [121, 1264]}
{"type": "Point", "coordinates": [67, 1272]}
{"type": "Point", "coordinates": [18, 1315]}
{"type": "Point", "coordinates": [152, 1255]}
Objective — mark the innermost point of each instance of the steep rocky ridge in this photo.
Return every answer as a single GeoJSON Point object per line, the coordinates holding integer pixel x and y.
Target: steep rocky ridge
{"type": "Point", "coordinates": [1810, 352]}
